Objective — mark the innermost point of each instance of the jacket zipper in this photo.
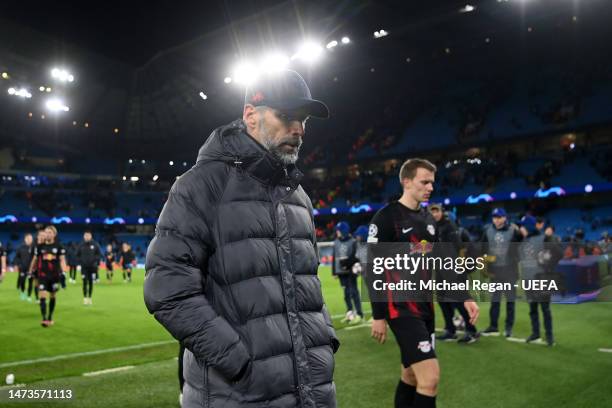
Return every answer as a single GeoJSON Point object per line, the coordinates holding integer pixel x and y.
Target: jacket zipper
{"type": "Point", "coordinates": [277, 240]}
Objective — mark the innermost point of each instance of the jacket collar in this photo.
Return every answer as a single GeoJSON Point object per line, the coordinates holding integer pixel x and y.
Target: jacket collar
{"type": "Point", "coordinates": [232, 144]}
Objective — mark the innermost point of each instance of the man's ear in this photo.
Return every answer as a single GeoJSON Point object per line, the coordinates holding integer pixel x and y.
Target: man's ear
{"type": "Point", "coordinates": [250, 117]}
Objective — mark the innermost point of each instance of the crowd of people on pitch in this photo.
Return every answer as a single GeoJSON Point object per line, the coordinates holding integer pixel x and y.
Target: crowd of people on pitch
{"type": "Point", "coordinates": [44, 265]}
{"type": "Point", "coordinates": [501, 238]}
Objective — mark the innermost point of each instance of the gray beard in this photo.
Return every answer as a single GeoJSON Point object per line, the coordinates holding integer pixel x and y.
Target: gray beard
{"type": "Point", "coordinates": [285, 158]}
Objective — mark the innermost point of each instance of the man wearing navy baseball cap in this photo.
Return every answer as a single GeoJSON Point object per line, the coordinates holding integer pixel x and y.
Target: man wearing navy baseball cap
{"type": "Point", "coordinates": [232, 270]}
{"type": "Point", "coordinates": [276, 108]}
{"type": "Point", "coordinates": [497, 241]}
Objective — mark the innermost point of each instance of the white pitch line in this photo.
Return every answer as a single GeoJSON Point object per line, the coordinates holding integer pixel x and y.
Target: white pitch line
{"type": "Point", "coordinates": [6, 387]}
{"type": "Point", "coordinates": [85, 353]}
{"type": "Point", "coordinates": [605, 350]}
{"type": "Point", "coordinates": [337, 316]}
{"type": "Point", "coordinates": [107, 371]}
{"type": "Point", "coordinates": [357, 326]}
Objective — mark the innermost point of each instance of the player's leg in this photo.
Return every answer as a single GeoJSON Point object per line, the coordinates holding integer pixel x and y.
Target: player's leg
{"type": "Point", "coordinates": [354, 293]}
{"type": "Point", "coordinates": [129, 274]}
{"type": "Point", "coordinates": [344, 282]}
{"type": "Point", "coordinates": [469, 328]}
{"type": "Point", "coordinates": [447, 312]}
{"type": "Point", "coordinates": [52, 305]}
{"type": "Point", "coordinates": [85, 283]}
{"type": "Point", "coordinates": [42, 295]}
{"type": "Point", "coordinates": [21, 285]}
{"type": "Point", "coordinates": [535, 321]}
{"type": "Point", "coordinates": [124, 274]}
{"type": "Point", "coordinates": [416, 340]}
{"type": "Point", "coordinates": [36, 288]}
{"type": "Point", "coordinates": [493, 314]}
{"type": "Point", "coordinates": [546, 313]}
{"type": "Point", "coordinates": [510, 308]}
{"type": "Point", "coordinates": [427, 373]}
{"type": "Point", "coordinates": [94, 277]}
{"type": "Point", "coordinates": [406, 388]}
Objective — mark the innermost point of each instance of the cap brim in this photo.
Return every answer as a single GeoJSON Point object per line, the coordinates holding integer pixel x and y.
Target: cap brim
{"type": "Point", "coordinates": [314, 108]}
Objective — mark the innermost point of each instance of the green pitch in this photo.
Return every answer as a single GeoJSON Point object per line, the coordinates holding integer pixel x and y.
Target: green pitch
{"type": "Point", "coordinates": [117, 331]}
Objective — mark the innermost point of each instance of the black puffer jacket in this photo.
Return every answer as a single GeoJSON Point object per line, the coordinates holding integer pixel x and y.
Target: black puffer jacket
{"type": "Point", "coordinates": [232, 274]}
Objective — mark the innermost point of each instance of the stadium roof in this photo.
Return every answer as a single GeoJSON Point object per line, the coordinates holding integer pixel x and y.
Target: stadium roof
{"type": "Point", "coordinates": [140, 67]}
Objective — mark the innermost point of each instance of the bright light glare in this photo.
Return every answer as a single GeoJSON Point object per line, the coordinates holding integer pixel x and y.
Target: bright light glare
{"type": "Point", "coordinates": [228, 80]}
{"type": "Point", "coordinates": [19, 92]}
{"type": "Point", "coordinates": [62, 75]}
{"type": "Point", "coordinates": [467, 8]}
{"type": "Point", "coordinates": [345, 40]}
{"type": "Point", "coordinates": [56, 105]}
{"type": "Point", "coordinates": [309, 52]}
{"type": "Point", "coordinates": [380, 34]}
{"type": "Point", "coordinates": [245, 73]}
{"type": "Point", "coordinates": [274, 62]}
{"type": "Point", "coordinates": [155, 177]}
{"type": "Point", "coordinates": [203, 96]}
{"type": "Point", "coordinates": [331, 44]}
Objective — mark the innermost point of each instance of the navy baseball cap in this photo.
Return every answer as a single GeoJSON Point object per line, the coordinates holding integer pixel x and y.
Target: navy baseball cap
{"type": "Point", "coordinates": [529, 223]}
{"type": "Point", "coordinates": [286, 91]}
{"type": "Point", "coordinates": [499, 212]}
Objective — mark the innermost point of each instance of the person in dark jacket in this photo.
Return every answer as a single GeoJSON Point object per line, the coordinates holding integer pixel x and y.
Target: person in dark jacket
{"type": "Point", "coordinates": [232, 270]}
{"type": "Point", "coordinates": [538, 254]}
{"type": "Point", "coordinates": [126, 261]}
{"type": "Point", "coordinates": [499, 243]}
{"type": "Point", "coordinates": [88, 255]}
{"type": "Point", "coordinates": [22, 260]}
{"type": "Point", "coordinates": [452, 243]}
{"type": "Point", "coordinates": [345, 249]}
{"type": "Point", "coordinates": [73, 260]}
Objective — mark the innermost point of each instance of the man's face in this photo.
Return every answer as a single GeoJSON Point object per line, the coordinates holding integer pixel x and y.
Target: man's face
{"type": "Point", "coordinates": [124, 247]}
{"type": "Point", "coordinates": [87, 236]}
{"type": "Point", "coordinates": [28, 239]}
{"type": "Point", "coordinates": [282, 132]}
{"type": "Point", "coordinates": [41, 237]}
{"type": "Point", "coordinates": [109, 248]}
{"type": "Point", "coordinates": [539, 225]}
{"type": "Point", "coordinates": [499, 222]}
{"type": "Point", "coordinates": [49, 235]}
{"type": "Point", "coordinates": [436, 213]}
{"type": "Point", "coordinates": [421, 186]}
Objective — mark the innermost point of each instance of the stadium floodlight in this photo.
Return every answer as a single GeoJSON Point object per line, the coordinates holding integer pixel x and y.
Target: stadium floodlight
{"type": "Point", "coordinates": [171, 163]}
{"type": "Point", "coordinates": [155, 177]}
{"type": "Point", "coordinates": [245, 73]}
{"type": "Point", "coordinates": [309, 52]}
{"type": "Point", "coordinates": [56, 105]}
{"type": "Point", "coordinates": [274, 62]}
{"type": "Point", "coordinates": [130, 161]}
{"type": "Point", "coordinates": [62, 75]}
{"type": "Point", "coordinates": [134, 178]}
{"type": "Point", "coordinates": [588, 188]}
{"type": "Point", "coordinates": [331, 44]}
{"type": "Point", "coordinates": [468, 8]}
{"type": "Point", "coordinates": [141, 220]}
{"type": "Point", "coordinates": [227, 80]}
{"type": "Point", "coordinates": [124, 178]}
{"type": "Point", "coordinates": [203, 96]}
{"type": "Point", "coordinates": [345, 40]}
{"type": "Point", "coordinates": [143, 161]}
{"type": "Point", "coordinates": [5, 75]}
{"type": "Point", "coordinates": [380, 33]}
{"type": "Point", "coordinates": [41, 88]}
{"type": "Point", "coordinates": [23, 93]}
